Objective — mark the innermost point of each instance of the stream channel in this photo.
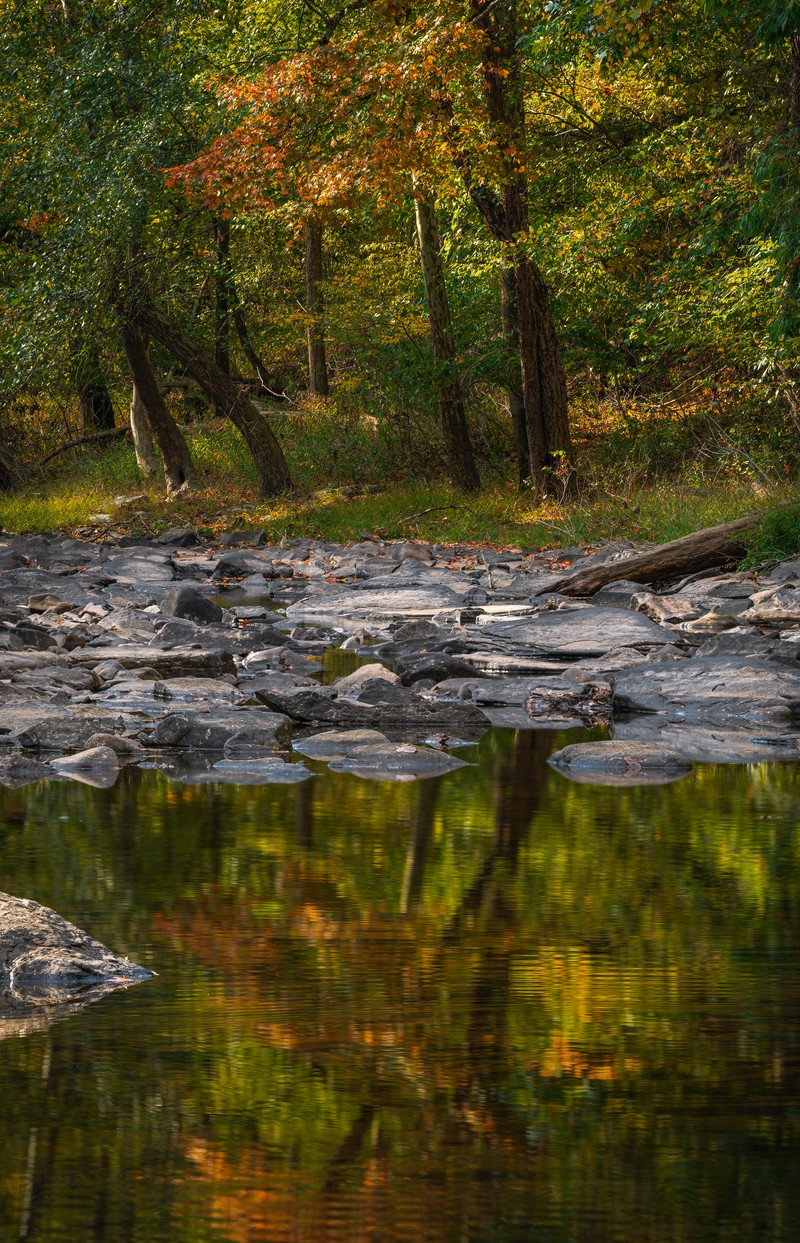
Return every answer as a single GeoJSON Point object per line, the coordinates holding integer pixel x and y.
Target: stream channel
{"type": "Point", "coordinates": [490, 1007]}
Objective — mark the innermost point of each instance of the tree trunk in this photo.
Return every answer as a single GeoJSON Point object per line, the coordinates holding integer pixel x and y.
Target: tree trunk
{"type": "Point", "coordinates": [315, 308]}
{"type": "Point", "coordinates": [97, 410]}
{"type": "Point", "coordinates": [273, 472]}
{"type": "Point", "coordinates": [455, 433]}
{"type": "Point", "coordinates": [146, 458]}
{"type": "Point", "coordinates": [222, 309]}
{"type": "Point", "coordinates": [516, 403]}
{"type": "Point", "coordinates": [177, 461]}
{"type": "Point", "coordinates": [544, 387]}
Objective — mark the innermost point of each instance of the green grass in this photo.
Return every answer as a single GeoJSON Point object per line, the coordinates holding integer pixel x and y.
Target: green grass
{"type": "Point", "coordinates": [83, 484]}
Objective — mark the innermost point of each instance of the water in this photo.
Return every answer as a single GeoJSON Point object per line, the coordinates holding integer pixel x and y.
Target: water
{"type": "Point", "coordinates": [492, 1008]}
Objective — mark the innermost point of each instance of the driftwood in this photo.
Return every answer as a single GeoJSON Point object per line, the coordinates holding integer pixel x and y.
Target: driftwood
{"type": "Point", "coordinates": [666, 562]}
{"type": "Point", "coordinates": [85, 440]}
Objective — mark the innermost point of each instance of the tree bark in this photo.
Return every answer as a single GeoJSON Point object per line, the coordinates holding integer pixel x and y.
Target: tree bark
{"type": "Point", "coordinates": [97, 410]}
{"type": "Point", "coordinates": [455, 432]}
{"type": "Point", "coordinates": [666, 563]}
{"type": "Point", "coordinates": [146, 458]}
{"type": "Point", "coordinates": [222, 308]}
{"type": "Point", "coordinates": [315, 308]}
{"type": "Point", "coordinates": [273, 472]}
{"type": "Point", "coordinates": [544, 386]}
{"type": "Point", "coordinates": [178, 468]}
{"type": "Point", "coordinates": [516, 403]}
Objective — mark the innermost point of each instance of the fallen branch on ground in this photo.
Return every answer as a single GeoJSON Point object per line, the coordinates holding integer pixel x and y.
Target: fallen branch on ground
{"type": "Point", "coordinates": [435, 509]}
{"type": "Point", "coordinates": [110, 434]}
{"type": "Point", "coordinates": [666, 562]}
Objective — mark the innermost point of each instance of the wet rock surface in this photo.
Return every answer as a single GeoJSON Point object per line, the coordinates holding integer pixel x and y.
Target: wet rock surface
{"type": "Point", "coordinates": [207, 661]}
{"type": "Point", "coordinates": [49, 968]}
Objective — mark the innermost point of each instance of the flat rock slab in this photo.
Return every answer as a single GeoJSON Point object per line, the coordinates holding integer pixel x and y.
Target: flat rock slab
{"type": "Point", "coordinates": [348, 610]}
{"type": "Point", "coordinates": [169, 662]}
{"type": "Point", "coordinates": [618, 762]}
{"type": "Point", "coordinates": [714, 687]}
{"type": "Point", "coordinates": [324, 706]}
{"type": "Point", "coordinates": [368, 753]}
{"type": "Point", "coordinates": [572, 633]}
{"type": "Point", "coordinates": [709, 743]}
{"type": "Point", "coordinates": [46, 961]}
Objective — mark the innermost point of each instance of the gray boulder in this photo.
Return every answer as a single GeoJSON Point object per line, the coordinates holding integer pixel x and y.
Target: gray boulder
{"type": "Point", "coordinates": [45, 960]}
{"type": "Point", "coordinates": [575, 633]}
{"type": "Point", "coordinates": [368, 753]}
{"type": "Point", "coordinates": [191, 604]}
{"type": "Point", "coordinates": [615, 762]}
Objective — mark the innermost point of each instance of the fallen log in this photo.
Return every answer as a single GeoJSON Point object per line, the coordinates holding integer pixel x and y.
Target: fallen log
{"type": "Point", "coordinates": [666, 562]}
{"type": "Point", "coordinates": [110, 434]}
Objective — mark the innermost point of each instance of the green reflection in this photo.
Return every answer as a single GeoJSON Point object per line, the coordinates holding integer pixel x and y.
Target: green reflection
{"type": "Point", "coordinates": [495, 1006]}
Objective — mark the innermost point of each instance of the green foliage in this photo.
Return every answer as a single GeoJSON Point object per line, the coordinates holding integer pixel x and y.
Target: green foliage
{"type": "Point", "coordinates": [778, 536]}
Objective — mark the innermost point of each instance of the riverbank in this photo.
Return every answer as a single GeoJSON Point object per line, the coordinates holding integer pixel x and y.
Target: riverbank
{"type": "Point", "coordinates": [204, 660]}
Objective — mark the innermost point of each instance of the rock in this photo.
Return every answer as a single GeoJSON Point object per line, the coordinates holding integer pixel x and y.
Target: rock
{"type": "Point", "coordinates": [45, 960]}
{"type": "Point", "coordinates": [93, 757]}
{"type": "Point", "coordinates": [21, 770]}
{"type": "Point", "coordinates": [664, 608]}
{"type": "Point", "coordinates": [169, 662]}
{"type": "Point", "coordinates": [140, 568]}
{"type": "Point", "coordinates": [574, 633]}
{"type": "Point", "coordinates": [354, 681]}
{"type": "Point", "coordinates": [620, 763]}
{"type": "Point", "coordinates": [124, 748]}
{"type": "Point", "coordinates": [347, 610]}
{"type": "Point", "coordinates": [24, 635]}
{"type": "Point", "coordinates": [368, 753]}
{"type": "Point", "coordinates": [66, 731]}
{"type": "Point", "coordinates": [188, 603]}
{"type": "Point", "coordinates": [618, 595]}
{"type": "Point", "coordinates": [434, 665]}
{"type": "Point", "coordinates": [323, 705]}
{"type": "Point", "coordinates": [242, 539]}
{"type": "Point", "coordinates": [178, 537]}
{"type": "Point", "coordinates": [248, 728]}
{"type": "Point", "coordinates": [710, 743]}
{"type": "Point", "coordinates": [714, 687]}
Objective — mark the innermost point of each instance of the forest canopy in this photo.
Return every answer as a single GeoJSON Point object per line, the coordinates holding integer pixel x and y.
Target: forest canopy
{"type": "Point", "coordinates": [462, 240]}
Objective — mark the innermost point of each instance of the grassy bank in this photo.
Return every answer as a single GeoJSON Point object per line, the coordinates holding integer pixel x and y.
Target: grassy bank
{"type": "Point", "coordinates": [82, 497]}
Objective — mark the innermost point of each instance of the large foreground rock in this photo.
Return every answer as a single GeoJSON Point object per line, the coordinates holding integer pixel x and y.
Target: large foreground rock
{"type": "Point", "coordinates": [49, 967]}
{"type": "Point", "coordinates": [718, 688]}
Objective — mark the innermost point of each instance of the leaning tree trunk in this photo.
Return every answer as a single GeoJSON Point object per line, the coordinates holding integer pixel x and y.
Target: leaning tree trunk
{"type": "Point", "coordinates": [455, 432]}
{"type": "Point", "coordinates": [273, 472]}
{"type": "Point", "coordinates": [315, 309]}
{"type": "Point", "coordinates": [178, 468]}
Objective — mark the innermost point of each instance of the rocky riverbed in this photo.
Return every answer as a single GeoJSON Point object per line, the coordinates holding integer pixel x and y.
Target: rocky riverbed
{"type": "Point", "coordinates": [205, 662]}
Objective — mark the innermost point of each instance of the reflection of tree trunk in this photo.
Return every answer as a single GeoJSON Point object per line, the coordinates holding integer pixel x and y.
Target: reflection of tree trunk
{"type": "Point", "coordinates": [170, 438]}
{"type": "Point", "coordinates": [347, 1152]}
{"type": "Point", "coordinates": [419, 844]}
{"type": "Point", "coordinates": [273, 472]}
{"type": "Point", "coordinates": [304, 815]}
{"type": "Point", "coordinates": [455, 432]}
{"type": "Point", "coordinates": [315, 308]}
{"type": "Point", "coordinates": [519, 785]}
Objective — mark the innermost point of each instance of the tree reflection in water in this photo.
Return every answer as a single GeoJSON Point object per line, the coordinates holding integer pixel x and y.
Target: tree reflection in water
{"type": "Point", "coordinates": [491, 1006]}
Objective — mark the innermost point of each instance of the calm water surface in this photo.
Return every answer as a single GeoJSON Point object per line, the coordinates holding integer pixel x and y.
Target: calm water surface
{"type": "Point", "coordinates": [488, 1008]}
